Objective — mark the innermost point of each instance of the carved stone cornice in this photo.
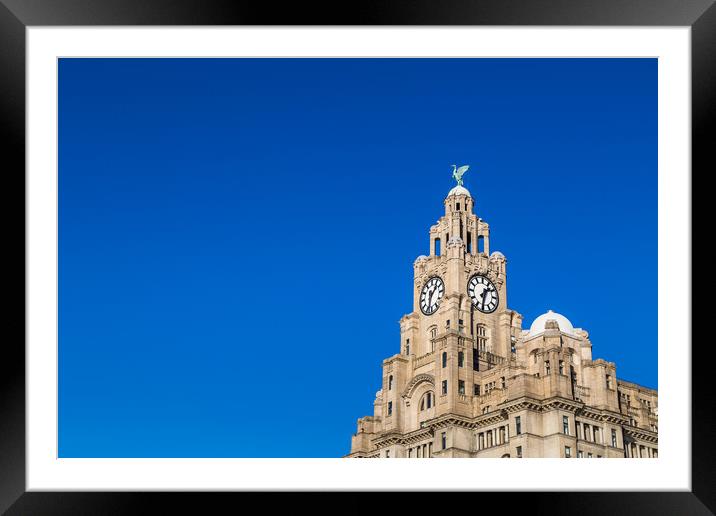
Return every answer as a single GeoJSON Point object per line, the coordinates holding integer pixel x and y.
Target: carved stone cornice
{"type": "Point", "coordinates": [502, 414]}
{"type": "Point", "coordinates": [496, 416]}
{"type": "Point", "coordinates": [641, 434]}
{"type": "Point", "coordinates": [558, 403]}
{"type": "Point", "coordinates": [418, 435]}
{"type": "Point", "coordinates": [522, 404]}
{"type": "Point", "coordinates": [413, 437]}
{"type": "Point", "coordinates": [600, 415]}
{"type": "Point", "coordinates": [388, 439]}
{"type": "Point", "coordinates": [447, 420]}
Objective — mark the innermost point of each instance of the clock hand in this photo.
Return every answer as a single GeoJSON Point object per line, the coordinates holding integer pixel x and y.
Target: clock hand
{"type": "Point", "coordinates": [484, 295]}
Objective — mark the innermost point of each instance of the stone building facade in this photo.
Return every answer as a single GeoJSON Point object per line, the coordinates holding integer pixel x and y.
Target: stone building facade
{"type": "Point", "coordinates": [470, 382]}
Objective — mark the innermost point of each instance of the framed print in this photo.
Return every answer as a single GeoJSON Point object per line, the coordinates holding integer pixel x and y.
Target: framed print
{"type": "Point", "coordinates": [229, 209]}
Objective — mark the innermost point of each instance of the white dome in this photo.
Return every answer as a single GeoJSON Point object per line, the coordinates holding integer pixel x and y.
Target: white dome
{"type": "Point", "coordinates": [497, 254]}
{"type": "Point", "coordinates": [459, 190]}
{"type": "Point", "coordinates": [421, 258]}
{"type": "Point", "coordinates": [564, 325]}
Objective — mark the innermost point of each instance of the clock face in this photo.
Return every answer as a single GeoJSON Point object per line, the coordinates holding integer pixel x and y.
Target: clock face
{"type": "Point", "coordinates": [430, 296]}
{"type": "Point", "coordinates": [483, 294]}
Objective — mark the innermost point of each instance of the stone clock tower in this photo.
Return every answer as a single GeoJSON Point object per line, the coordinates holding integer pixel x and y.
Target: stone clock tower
{"type": "Point", "coordinates": [469, 382]}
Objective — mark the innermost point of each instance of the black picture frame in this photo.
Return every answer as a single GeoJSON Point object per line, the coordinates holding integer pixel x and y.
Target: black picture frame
{"type": "Point", "coordinates": [17, 15]}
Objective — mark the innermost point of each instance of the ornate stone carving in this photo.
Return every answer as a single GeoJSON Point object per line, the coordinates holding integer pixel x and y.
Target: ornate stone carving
{"type": "Point", "coordinates": [413, 384]}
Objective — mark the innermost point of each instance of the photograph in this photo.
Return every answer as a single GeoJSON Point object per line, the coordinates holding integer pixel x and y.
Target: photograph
{"type": "Point", "coordinates": [261, 245]}
{"type": "Point", "coordinates": [357, 257]}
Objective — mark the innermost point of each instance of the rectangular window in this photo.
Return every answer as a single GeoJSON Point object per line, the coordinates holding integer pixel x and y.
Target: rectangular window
{"type": "Point", "coordinates": [614, 438]}
{"type": "Point", "coordinates": [565, 425]}
{"type": "Point", "coordinates": [590, 456]}
{"type": "Point", "coordinates": [444, 358]}
{"type": "Point", "coordinates": [390, 408]}
{"type": "Point", "coordinates": [390, 382]}
{"type": "Point", "coordinates": [460, 359]}
{"type": "Point", "coordinates": [444, 440]}
{"type": "Point", "coordinates": [580, 454]}
{"type": "Point", "coordinates": [477, 390]}
{"type": "Point", "coordinates": [444, 386]}
{"type": "Point", "coordinates": [519, 452]}
{"type": "Point", "coordinates": [475, 360]}
{"type": "Point", "coordinates": [387, 454]}
{"type": "Point", "coordinates": [481, 441]}
{"type": "Point", "coordinates": [481, 337]}
{"type": "Point", "coordinates": [597, 435]}
{"type": "Point", "coordinates": [609, 382]}
{"type": "Point", "coordinates": [430, 399]}
{"type": "Point", "coordinates": [561, 367]}
{"type": "Point", "coordinates": [546, 367]}
{"type": "Point", "coordinates": [461, 387]}
{"type": "Point", "coordinates": [567, 452]}
{"type": "Point", "coordinates": [518, 425]}
{"type": "Point", "coordinates": [502, 382]}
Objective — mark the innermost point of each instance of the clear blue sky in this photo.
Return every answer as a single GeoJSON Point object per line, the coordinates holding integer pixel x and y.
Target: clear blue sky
{"type": "Point", "coordinates": [236, 237]}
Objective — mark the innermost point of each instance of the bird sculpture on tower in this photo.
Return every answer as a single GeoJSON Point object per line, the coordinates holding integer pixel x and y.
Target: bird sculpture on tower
{"type": "Point", "coordinates": [457, 173]}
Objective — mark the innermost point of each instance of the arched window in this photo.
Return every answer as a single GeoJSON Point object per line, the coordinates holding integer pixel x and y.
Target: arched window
{"type": "Point", "coordinates": [426, 401]}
